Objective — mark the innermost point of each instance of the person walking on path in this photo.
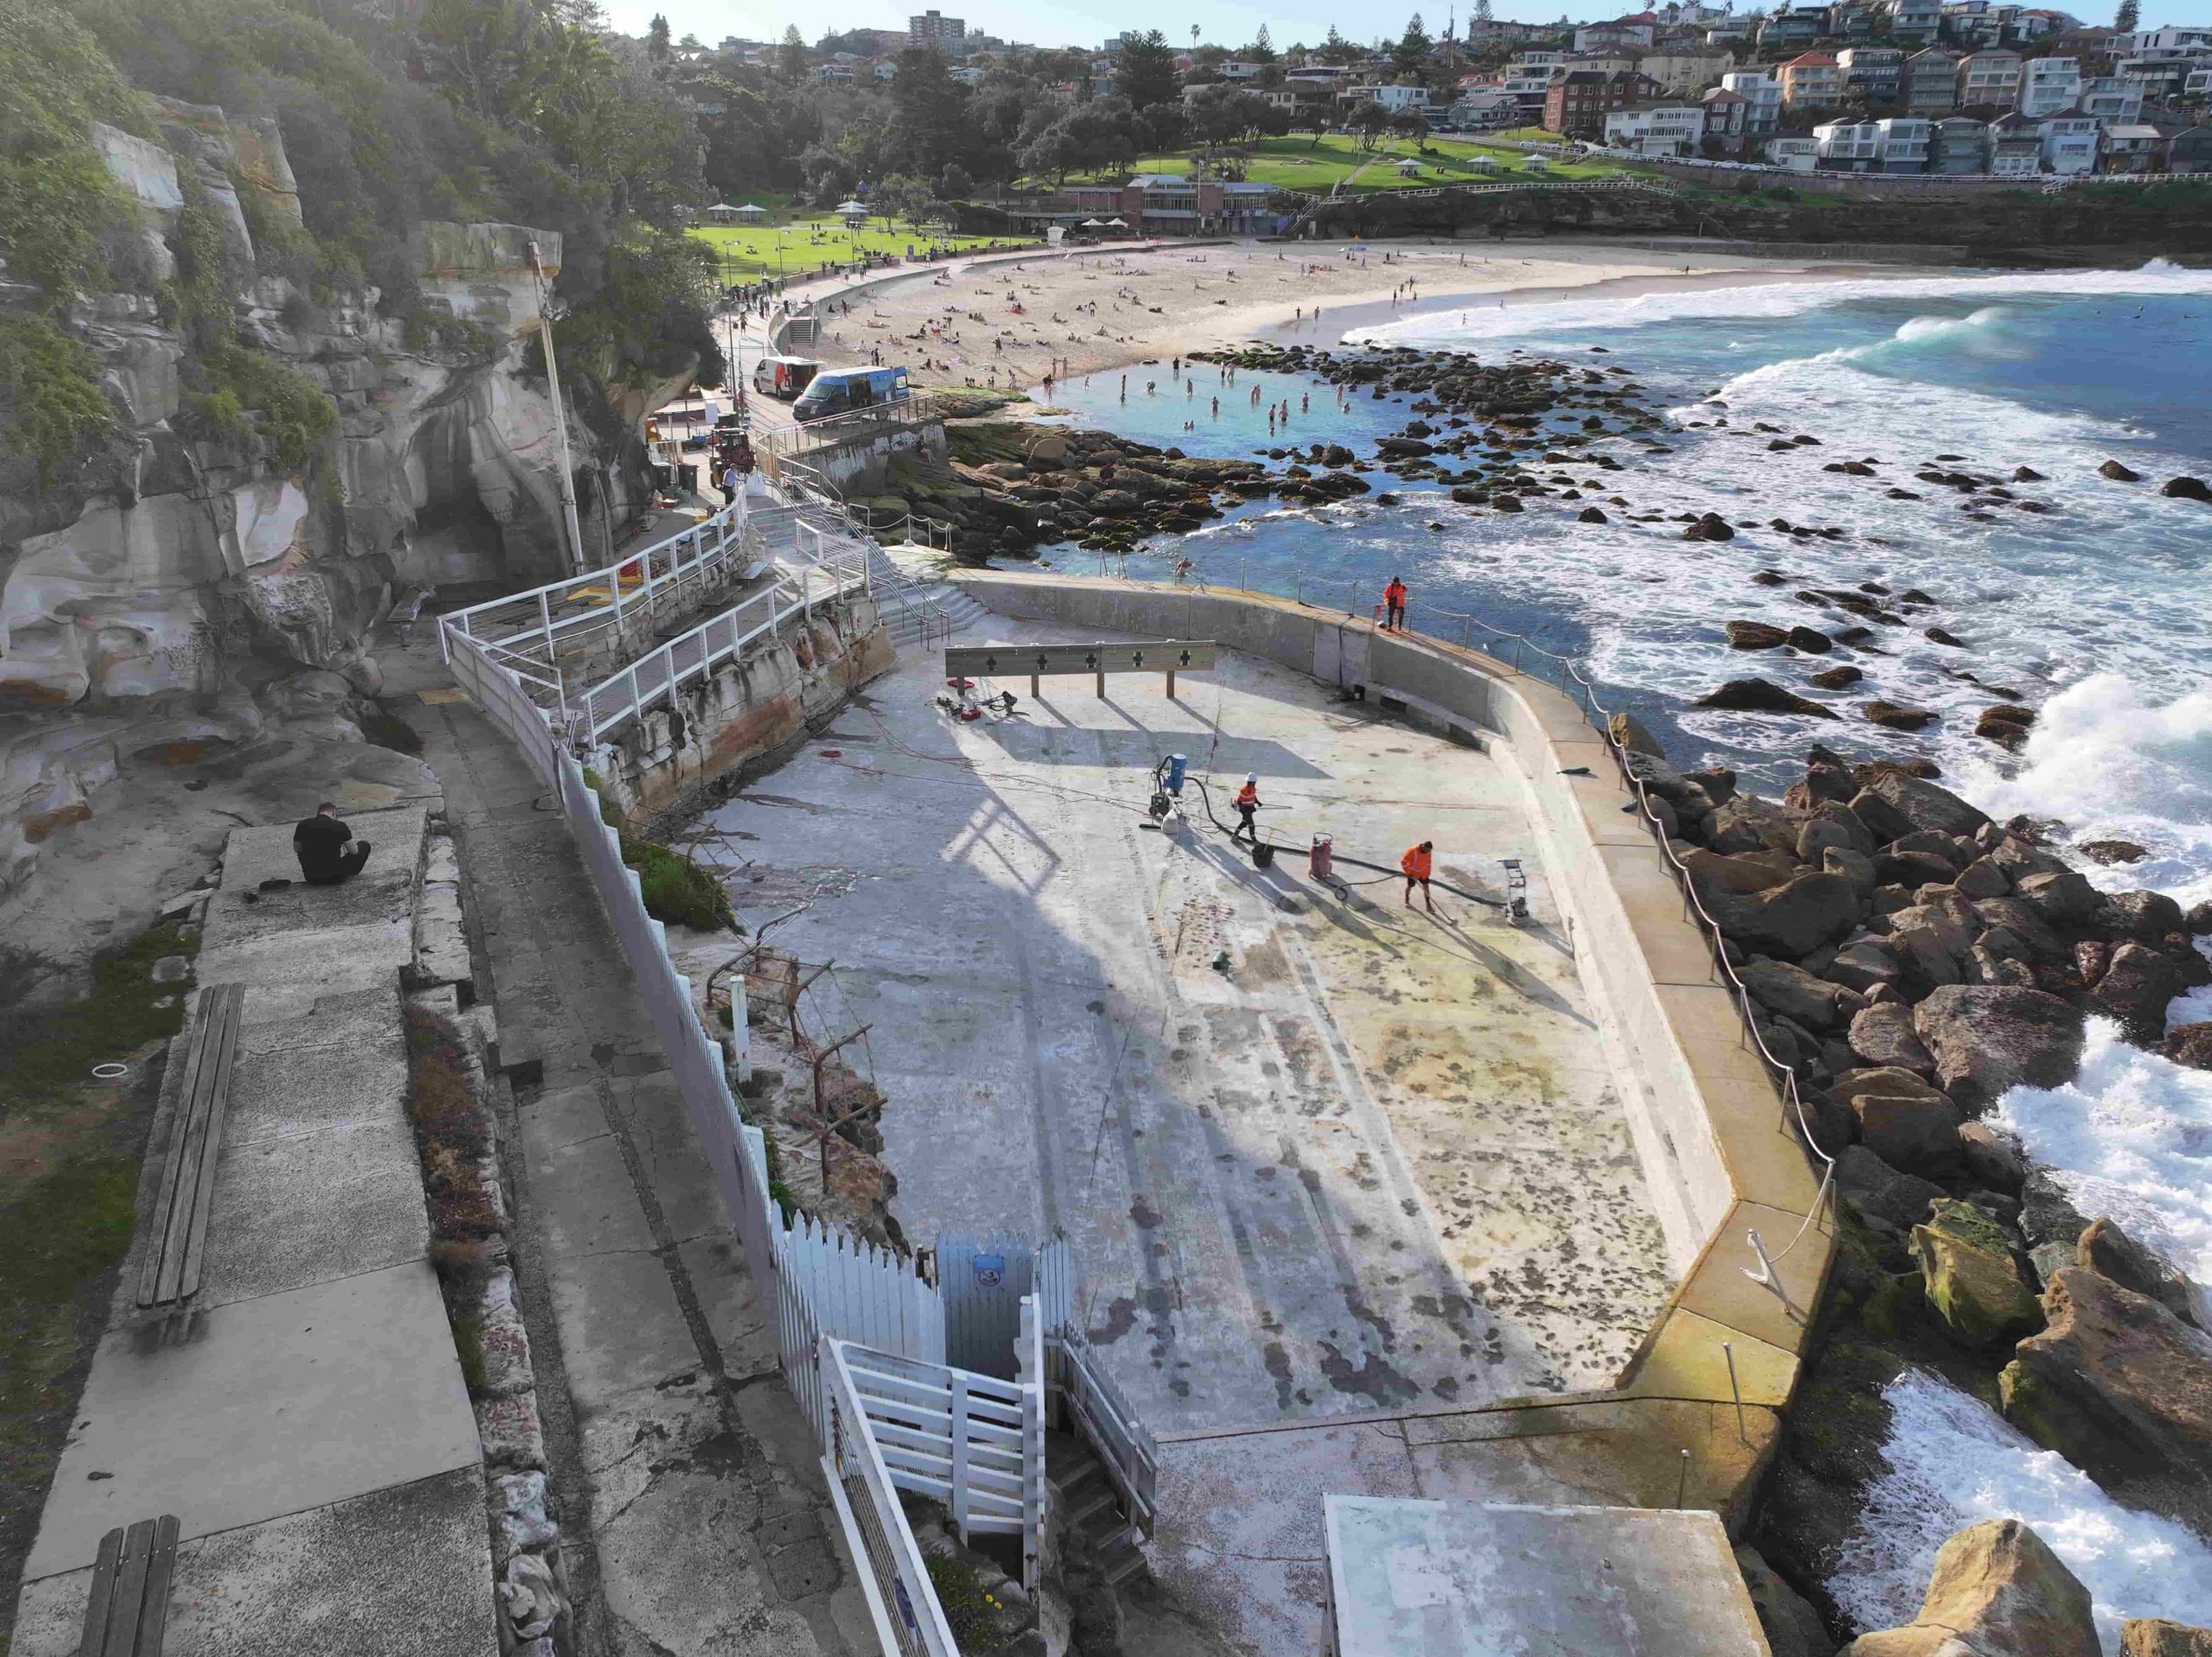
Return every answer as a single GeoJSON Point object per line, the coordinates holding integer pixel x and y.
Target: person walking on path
{"type": "Point", "coordinates": [1394, 606]}
{"type": "Point", "coordinates": [1247, 803]}
{"type": "Point", "coordinates": [328, 851]}
{"type": "Point", "coordinates": [1416, 863]}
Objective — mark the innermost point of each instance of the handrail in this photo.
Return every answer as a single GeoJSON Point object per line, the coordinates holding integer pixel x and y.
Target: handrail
{"type": "Point", "coordinates": [1600, 718]}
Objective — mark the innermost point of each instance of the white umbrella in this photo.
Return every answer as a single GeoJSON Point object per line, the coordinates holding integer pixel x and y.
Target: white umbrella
{"type": "Point", "coordinates": [1116, 224]}
{"type": "Point", "coordinates": [1094, 224]}
{"type": "Point", "coordinates": [748, 211]}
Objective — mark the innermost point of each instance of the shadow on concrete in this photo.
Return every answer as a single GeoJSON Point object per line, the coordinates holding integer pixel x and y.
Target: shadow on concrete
{"type": "Point", "coordinates": [1141, 749]}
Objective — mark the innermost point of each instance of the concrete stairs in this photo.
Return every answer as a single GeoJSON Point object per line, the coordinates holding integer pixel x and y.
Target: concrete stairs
{"type": "Point", "coordinates": [915, 608]}
{"type": "Point", "coordinates": [1098, 1534]}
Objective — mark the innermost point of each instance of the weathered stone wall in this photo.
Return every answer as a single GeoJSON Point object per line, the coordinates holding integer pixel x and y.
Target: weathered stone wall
{"type": "Point", "coordinates": [743, 717]}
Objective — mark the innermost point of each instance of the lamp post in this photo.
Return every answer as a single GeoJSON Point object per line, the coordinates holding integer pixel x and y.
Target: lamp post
{"type": "Point", "coordinates": [560, 413]}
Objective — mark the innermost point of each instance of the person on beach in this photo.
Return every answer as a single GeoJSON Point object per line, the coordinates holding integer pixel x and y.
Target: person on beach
{"type": "Point", "coordinates": [1247, 803]}
{"type": "Point", "coordinates": [1415, 864]}
{"type": "Point", "coordinates": [1394, 606]}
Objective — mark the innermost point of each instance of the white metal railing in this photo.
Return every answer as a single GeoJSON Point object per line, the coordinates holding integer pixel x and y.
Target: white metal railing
{"type": "Point", "coordinates": [894, 1579]}
{"type": "Point", "coordinates": [1076, 1377]}
{"type": "Point", "coordinates": [533, 623]}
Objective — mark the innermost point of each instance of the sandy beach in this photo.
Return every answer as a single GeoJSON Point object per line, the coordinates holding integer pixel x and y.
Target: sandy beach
{"type": "Point", "coordinates": [1006, 325]}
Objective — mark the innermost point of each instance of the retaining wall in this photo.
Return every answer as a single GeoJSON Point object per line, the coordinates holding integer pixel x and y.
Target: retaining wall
{"type": "Point", "coordinates": [1708, 1119]}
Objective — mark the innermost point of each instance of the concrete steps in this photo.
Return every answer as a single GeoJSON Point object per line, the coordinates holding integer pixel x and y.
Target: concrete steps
{"type": "Point", "coordinates": [1099, 1536]}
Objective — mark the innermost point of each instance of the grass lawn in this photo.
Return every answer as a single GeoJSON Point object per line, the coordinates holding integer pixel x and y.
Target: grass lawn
{"type": "Point", "coordinates": [806, 244]}
{"type": "Point", "coordinates": [70, 1146]}
{"type": "Point", "coordinates": [1300, 162]}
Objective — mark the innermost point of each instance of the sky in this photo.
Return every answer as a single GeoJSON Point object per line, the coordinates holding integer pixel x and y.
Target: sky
{"type": "Point", "coordinates": [1070, 22]}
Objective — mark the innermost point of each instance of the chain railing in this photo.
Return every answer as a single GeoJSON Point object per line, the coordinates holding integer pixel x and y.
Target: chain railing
{"type": "Point", "coordinates": [1523, 655]}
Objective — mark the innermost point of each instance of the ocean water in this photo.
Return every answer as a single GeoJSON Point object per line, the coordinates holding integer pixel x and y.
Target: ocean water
{"type": "Point", "coordinates": [1953, 1463]}
{"type": "Point", "coordinates": [2099, 612]}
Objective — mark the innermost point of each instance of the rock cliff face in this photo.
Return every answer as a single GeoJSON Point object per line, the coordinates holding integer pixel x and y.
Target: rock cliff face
{"type": "Point", "coordinates": [190, 567]}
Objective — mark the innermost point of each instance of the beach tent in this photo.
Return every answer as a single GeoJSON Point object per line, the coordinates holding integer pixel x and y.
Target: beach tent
{"type": "Point", "coordinates": [1117, 223]}
{"type": "Point", "coordinates": [723, 210]}
{"type": "Point", "coordinates": [751, 214]}
{"type": "Point", "coordinates": [1409, 167]}
{"type": "Point", "coordinates": [1094, 224]}
{"type": "Point", "coordinates": [853, 212]}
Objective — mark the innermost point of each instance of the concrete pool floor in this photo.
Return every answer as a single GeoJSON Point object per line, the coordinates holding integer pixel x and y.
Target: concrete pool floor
{"type": "Point", "coordinates": [1375, 1162]}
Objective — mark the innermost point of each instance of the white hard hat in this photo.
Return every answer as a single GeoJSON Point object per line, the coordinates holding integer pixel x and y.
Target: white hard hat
{"type": "Point", "coordinates": [1251, 775]}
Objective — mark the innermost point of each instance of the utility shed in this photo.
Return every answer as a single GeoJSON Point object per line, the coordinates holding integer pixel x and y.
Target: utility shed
{"type": "Point", "coordinates": [1497, 1579]}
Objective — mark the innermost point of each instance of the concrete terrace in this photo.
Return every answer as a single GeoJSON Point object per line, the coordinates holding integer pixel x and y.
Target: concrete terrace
{"type": "Point", "coordinates": [1379, 1162]}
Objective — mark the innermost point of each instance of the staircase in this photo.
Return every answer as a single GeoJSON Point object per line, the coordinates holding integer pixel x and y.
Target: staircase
{"type": "Point", "coordinates": [1098, 1534]}
{"type": "Point", "coordinates": [916, 611]}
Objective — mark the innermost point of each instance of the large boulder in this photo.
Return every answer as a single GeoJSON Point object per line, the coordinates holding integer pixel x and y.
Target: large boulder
{"type": "Point", "coordinates": [2135, 989]}
{"type": "Point", "coordinates": [2151, 1637]}
{"type": "Point", "coordinates": [1748, 824]}
{"type": "Point", "coordinates": [2115, 1383]}
{"type": "Point", "coordinates": [2062, 897]}
{"type": "Point", "coordinates": [1879, 1192]}
{"type": "Point", "coordinates": [1997, 1591]}
{"type": "Point", "coordinates": [2190, 1044]}
{"type": "Point", "coordinates": [2104, 1248]}
{"type": "Point", "coordinates": [1762, 697]}
{"type": "Point", "coordinates": [1796, 994]}
{"type": "Point", "coordinates": [1755, 636]}
{"type": "Point", "coordinates": [1919, 803]}
{"type": "Point", "coordinates": [1791, 920]}
{"type": "Point", "coordinates": [1972, 1281]}
{"type": "Point", "coordinates": [2146, 916]}
{"type": "Point", "coordinates": [1884, 1037]}
{"type": "Point", "coordinates": [1739, 871]}
{"type": "Point", "coordinates": [1987, 1037]}
{"type": "Point", "coordinates": [1992, 1161]}
{"type": "Point", "coordinates": [1865, 964]}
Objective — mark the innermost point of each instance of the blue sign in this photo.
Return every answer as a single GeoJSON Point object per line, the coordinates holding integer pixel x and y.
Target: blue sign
{"type": "Point", "coordinates": [990, 1271]}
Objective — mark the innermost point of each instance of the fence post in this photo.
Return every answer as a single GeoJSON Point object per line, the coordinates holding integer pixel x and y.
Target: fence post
{"type": "Point", "coordinates": [959, 1401]}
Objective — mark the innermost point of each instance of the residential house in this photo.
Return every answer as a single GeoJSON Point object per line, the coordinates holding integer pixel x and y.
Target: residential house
{"type": "Point", "coordinates": [1799, 154]}
{"type": "Point", "coordinates": [1157, 204]}
{"type": "Point", "coordinates": [2048, 85]}
{"type": "Point", "coordinates": [967, 74]}
{"type": "Point", "coordinates": [1787, 29]}
{"type": "Point", "coordinates": [1875, 73]}
{"type": "Point", "coordinates": [1931, 83]}
{"type": "Point", "coordinates": [1656, 129]}
{"type": "Point", "coordinates": [1635, 30]}
{"type": "Point", "coordinates": [2130, 148]}
{"type": "Point", "coordinates": [1972, 22]}
{"type": "Point", "coordinates": [1398, 99]}
{"type": "Point", "coordinates": [1736, 31]}
{"type": "Point", "coordinates": [1579, 101]}
{"type": "Point", "coordinates": [1725, 115]}
{"type": "Point", "coordinates": [834, 74]}
{"type": "Point", "coordinates": [1528, 88]}
{"type": "Point", "coordinates": [1762, 92]}
{"type": "Point", "coordinates": [1961, 145]}
{"type": "Point", "coordinates": [2199, 83]}
{"type": "Point", "coordinates": [1811, 81]}
{"type": "Point", "coordinates": [2189, 150]}
{"type": "Point", "coordinates": [2015, 146]}
{"type": "Point", "coordinates": [1915, 19]}
{"type": "Point", "coordinates": [1853, 20]}
{"type": "Point", "coordinates": [1603, 63]}
{"type": "Point", "coordinates": [1484, 109]}
{"type": "Point", "coordinates": [1848, 147]}
{"type": "Point", "coordinates": [1989, 80]}
{"type": "Point", "coordinates": [1685, 74]}
{"type": "Point", "coordinates": [1237, 70]}
{"type": "Point", "coordinates": [2112, 98]}
{"type": "Point", "coordinates": [2070, 141]}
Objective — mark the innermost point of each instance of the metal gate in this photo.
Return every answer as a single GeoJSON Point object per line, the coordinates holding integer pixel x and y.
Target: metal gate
{"type": "Point", "coordinates": [980, 1281]}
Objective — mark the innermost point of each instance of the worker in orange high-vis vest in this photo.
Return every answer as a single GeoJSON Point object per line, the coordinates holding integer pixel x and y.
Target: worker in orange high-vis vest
{"type": "Point", "coordinates": [1416, 863]}
{"type": "Point", "coordinates": [1394, 606]}
{"type": "Point", "coordinates": [1248, 802]}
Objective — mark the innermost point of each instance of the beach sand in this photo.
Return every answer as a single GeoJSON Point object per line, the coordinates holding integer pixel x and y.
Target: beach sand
{"type": "Point", "coordinates": [1004, 326]}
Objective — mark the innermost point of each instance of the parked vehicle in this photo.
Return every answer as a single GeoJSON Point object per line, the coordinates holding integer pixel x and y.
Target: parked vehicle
{"type": "Point", "coordinates": [785, 377]}
{"type": "Point", "coordinates": [847, 391]}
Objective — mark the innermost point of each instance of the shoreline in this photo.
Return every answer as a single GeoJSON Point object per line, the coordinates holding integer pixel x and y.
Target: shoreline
{"type": "Point", "coordinates": [973, 338]}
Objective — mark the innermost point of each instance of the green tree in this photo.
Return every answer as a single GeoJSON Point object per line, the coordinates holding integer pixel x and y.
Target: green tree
{"type": "Point", "coordinates": [1145, 72]}
{"type": "Point", "coordinates": [1412, 50]}
{"type": "Point", "coordinates": [1262, 49]}
{"type": "Point", "coordinates": [2128, 18]}
{"type": "Point", "coordinates": [790, 56]}
{"type": "Point", "coordinates": [1370, 121]}
{"type": "Point", "coordinates": [657, 46]}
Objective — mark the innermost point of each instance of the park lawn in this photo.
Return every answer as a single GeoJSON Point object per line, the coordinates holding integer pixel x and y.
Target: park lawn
{"type": "Point", "coordinates": [1298, 162]}
{"type": "Point", "coordinates": [748, 251]}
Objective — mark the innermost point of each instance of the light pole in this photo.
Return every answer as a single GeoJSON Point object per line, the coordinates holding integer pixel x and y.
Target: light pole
{"type": "Point", "coordinates": [560, 413]}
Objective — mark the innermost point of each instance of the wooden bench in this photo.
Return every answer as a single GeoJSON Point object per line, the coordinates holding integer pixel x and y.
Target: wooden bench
{"type": "Point", "coordinates": [129, 1603]}
{"type": "Point", "coordinates": [169, 1274]}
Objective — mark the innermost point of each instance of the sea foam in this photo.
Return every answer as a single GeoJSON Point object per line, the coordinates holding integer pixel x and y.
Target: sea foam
{"type": "Point", "coordinates": [1952, 1463]}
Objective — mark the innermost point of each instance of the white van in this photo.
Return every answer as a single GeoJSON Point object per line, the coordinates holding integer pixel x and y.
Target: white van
{"type": "Point", "coordinates": [785, 377]}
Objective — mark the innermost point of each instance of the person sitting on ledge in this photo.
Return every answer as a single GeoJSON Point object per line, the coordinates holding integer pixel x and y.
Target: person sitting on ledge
{"type": "Point", "coordinates": [328, 853]}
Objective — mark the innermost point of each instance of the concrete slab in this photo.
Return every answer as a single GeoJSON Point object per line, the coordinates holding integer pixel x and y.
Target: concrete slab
{"type": "Point", "coordinates": [403, 1573]}
{"type": "Point", "coordinates": [296, 1400]}
{"type": "Point", "coordinates": [314, 941]}
{"type": "Point", "coordinates": [1376, 1159]}
{"type": "Point", "coordinates": [293, 1210]}
{"type": "Point", "coordinates": [1483, 1579]}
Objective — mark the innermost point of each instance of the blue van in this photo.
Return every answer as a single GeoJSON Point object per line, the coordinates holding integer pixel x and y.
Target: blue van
{"type": "Point", "coordinates": [848, 390]}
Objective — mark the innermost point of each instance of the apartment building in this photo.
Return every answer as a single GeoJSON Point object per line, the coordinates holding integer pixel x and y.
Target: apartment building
{"type": "Point", "coordinates": [2112, 99]}
{"type": "Point", "coordinates": [934, 28]}
{"type": "Point", "coordinates": [1989, 80]}
{"type": "Point", "coordinates": [1799, 154]}
{"type": "Point", "coordinates": [2015, 146]}
{"type": "Point", "coordinates": [1579, 100]}
{"type": "Point", "coordinates": [1915, 19]}
{"type": "Point", "coordinates": [1811, 81]}
{"type": "Point", "coordinates": [2130, 147]}
{"type": "Point", "coordinates": [1960, 144]}
{"type": "Point", "coordinates": [1931, 83]}
{"type": "Point", "coordinates": [1636, 30]}
{"type": "Point", "coordinates": [2048, 85]}
{"type": "Point", "coordinates": [1873, 73]}
{"type": "Point", "coordinates": [1762, 94]}
{"type": "Point", "coordinates": [1656, 129]}
{"type": "Point", "coordinates": [2070, 141]}
{"type": "Point", "coordinates": [1848, 147]}
{"type": "Point", "coordinates": [1725, 113]}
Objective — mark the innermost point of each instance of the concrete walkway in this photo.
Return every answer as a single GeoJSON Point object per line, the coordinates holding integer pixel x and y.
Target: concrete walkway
{"type": "Point", "coordinates": [306, 1422]}
{"type": "Point", "coordinates": [696, 1519]}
